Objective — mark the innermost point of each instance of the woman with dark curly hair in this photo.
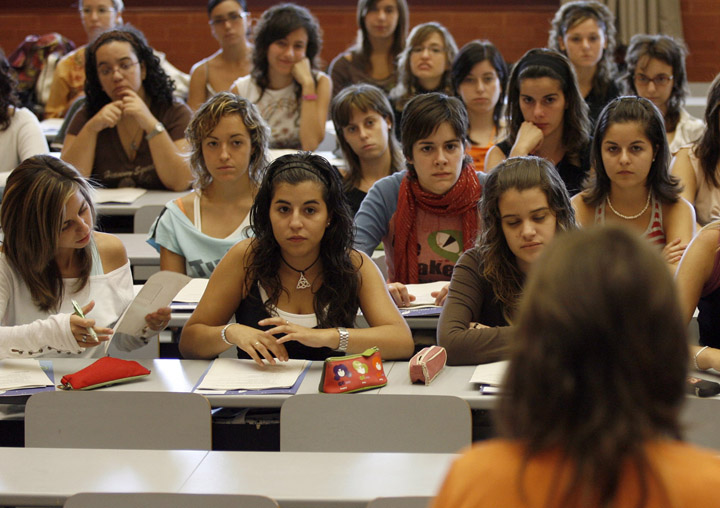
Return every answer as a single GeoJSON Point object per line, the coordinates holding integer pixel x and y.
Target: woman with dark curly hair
{"type": "Point", "coordinates": [20, 133]}
{"type": "Point", "coordinates": [228, 140]}
{"type": "Point", "coordinates": [546, 116]}
{"type": "Point", "coordinates": [291, 95]}
{"type": "Point", "coordinates": [299, 277]}
{"type": "Point", "coordinates": [131, 132]}
{"type": "Point", "coordinates": [584, 31]}
{"type": "Point", "coordinates": [524, 205]}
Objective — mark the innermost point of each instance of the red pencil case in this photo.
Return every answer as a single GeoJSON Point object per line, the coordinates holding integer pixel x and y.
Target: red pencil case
{"type": "Point", "coordinates": [427, 364]}
{"type": "Point", "coordinates": [103, 372]}
{"type": "Point", "coordinates": [353, 373]}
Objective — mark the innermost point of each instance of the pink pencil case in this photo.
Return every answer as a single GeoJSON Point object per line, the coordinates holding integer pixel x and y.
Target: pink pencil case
{"type": "Point", "coordinates": [427, 364]}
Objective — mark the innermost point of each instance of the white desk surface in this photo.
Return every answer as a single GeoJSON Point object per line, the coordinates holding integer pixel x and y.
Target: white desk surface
{"type": "Point", "coordinates": [140, 253]}
{"type": "Point", "coordinates": [48, 476]}
{"type": "Point", "coordinates": [151, 197]}
{"type": "Point", "coordinates": [306, 479]}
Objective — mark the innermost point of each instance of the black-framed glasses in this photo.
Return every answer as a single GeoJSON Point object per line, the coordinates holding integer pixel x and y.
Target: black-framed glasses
{"type": "Point", "coordinates": [124, 67]}
{"type": "Point", "coordinates": [101, 11]}
{"type": "Point", "coordinates": [658, 81]}
{"type": "Point", "coordinates": [233, 18]}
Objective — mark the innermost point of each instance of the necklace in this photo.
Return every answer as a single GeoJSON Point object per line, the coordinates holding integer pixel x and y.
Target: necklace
{"type": "Point", "coordinates": [628, 217]}
{"type": "Point", "coordinates": [302, 282]}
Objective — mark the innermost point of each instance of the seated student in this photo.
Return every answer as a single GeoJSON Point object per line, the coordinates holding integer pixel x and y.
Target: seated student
{"type": "Point", "coordinates": [479, 77]}
{"type": "Point", "coordinates": [698, 281]}
{"type": "Point", "coordinates": [131, 131]}
{"type": "Point", "coordinates": [298, 278]}
{"type": "Point", "coordinates": [631, 184]}
{"type": "Point", "coordinates": [698, 165]}
{"type": "Point", "coordinates": [588, 415]}
{"type": "Point", "coordinates": [291, 95]}
{"type": "Point", "coordinates": [363, 121]}
{"type": "Point", "coordinates": [546, 116]}
{"type": "Point", "coordinates": [51, 256]}
{"type": "Point", "coordinates": [382, 28]}
{"type": "Point", "coordinates": [228, 24]}
{"type": "Point", "coordinates": [524, 204]}
{"type": "Point", "coordinates": [68, 78]}
{"type": "Point", "coordinates": [423, 66]}
{"type": "Point", "coordinates": [20, 133]}
{"type": "Point", "coordinates": [656, 71]}
{"type": "Point", "coordinates": [228, 140]}
{"type": "Point", "coordinates": [425, 216]}
{"type": "Point", "coordinates": [584, 31]}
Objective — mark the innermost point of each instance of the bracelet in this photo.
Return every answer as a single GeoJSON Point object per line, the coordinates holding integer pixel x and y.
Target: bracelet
{"type": "Point", "coordinates": [344, 337]}
{"type": "Point", "coordinates": [310, 97]}
{"type": "Point", "coordinates": [696, 357]}
{"type": "Point", "coordinates": [475, 326]}
{"type": "Point", "coordinates": [222, 334]}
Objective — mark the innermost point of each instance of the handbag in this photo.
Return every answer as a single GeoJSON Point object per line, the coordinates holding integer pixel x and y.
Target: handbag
{"type": "Point", "coordinates": [353, 373]}
{"type": "Point", "coordinates": [427, 364]}
{"type": "Point", "coordinates": [103, 372]}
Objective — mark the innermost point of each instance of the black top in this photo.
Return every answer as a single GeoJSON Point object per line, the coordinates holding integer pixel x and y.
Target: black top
{"type": "Point", "coordinates": [709, 319]}
{"type": "Point", "coordinates": [354, 197]}
{"type": "Point", "coordinates": [597, 101]}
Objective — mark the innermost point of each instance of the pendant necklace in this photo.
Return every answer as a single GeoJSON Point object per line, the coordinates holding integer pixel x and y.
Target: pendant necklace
{"type": "Point", "coordinates": [302, 282]}
{"type": "Point", "coordinates": [628, 217]}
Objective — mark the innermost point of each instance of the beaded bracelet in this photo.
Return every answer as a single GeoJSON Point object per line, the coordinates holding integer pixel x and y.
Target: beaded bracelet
{"type": "Point", "coordinates": [222, 334]}
{"type": "Point", "coordinates": [696, 357]}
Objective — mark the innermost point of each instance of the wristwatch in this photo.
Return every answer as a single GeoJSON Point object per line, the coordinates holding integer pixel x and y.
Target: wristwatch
{"type": "Point", "coordinates": [159, 127]}
{"type": "Point", "coordinates": [344, 337]}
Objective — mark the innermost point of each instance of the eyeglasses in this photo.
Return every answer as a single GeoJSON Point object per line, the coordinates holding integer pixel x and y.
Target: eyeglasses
{"type": "Point", "coordinates": [434, 50]}
{"type": "Point", "coordinates": [101, 11]}
{"type": "Point", "coordinates": [233, 18]}
{"type": "Point", "coordinates": [659, 80]}
{"type": "Point", "coordinates": [124, 67]}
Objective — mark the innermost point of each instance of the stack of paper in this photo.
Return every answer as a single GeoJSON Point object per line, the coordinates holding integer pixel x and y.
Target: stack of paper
{"type": "Point", "coordinates": [422, 293]}
{"type": "Point", "coordinates": [17, 374]}
{"type": "Point", "coordinates": [489, 376]}
{"type": "Point", "coordinates": [235, 374]}
{"type": "Point", "coordinates": [122, 195]}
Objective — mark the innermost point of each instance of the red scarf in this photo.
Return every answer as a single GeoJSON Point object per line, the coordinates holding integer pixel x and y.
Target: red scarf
{"type": "Point", "coordinates": [461, 199]}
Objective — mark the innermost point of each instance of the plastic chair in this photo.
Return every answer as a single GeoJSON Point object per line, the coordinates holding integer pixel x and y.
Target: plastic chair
{"type": "Point", "coordinates": [375, 423]}
{"type": "Point", "coordinates": [145, 216]}
{"type": "Point", "coordinates": [118, 420]}
{"type": "Point", "coordinates": [400, 502]}
{"type": "Point", "coordinates": [699, 417]}
{"type": "Point", "coordinates": [163, 500]}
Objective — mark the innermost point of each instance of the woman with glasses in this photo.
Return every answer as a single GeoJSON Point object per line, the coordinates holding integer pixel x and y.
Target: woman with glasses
{"type": "Point", "coordinates": [228, 24]}
{"type": "Point", "coordinates": [656, 71]}
{"type": "Point", "coordinates": [380, 39]}
{"type": "Point", "coordinates": [131, 132]}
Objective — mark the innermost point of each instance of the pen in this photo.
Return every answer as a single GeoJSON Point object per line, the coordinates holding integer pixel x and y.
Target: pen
{"type": "Point", "coordinates": [79, 312]}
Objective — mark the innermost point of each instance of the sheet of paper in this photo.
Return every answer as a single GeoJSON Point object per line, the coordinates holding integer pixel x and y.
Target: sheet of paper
{"type": "Point", "coordinates": [23, 373]}
{"type": "Point", "coordinates": [122, 195]}
{"type": "Point", "coordinates": [236, 374]}
{"type": "Point", "coordinates": [490, 373]}
{"type": "Point", "coordinates": [192, 292]}
{"type": "Point", "coordinates": [157, 292]}
{"type": "Point", "coordinates": [422, 293]}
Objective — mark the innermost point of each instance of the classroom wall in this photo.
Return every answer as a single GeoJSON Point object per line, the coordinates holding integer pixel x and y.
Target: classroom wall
{"type": "Point", "coordinates": [184, 35]}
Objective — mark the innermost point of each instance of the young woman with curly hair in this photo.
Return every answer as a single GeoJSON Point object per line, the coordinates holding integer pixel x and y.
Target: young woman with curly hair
{"type": "Point", "coordinates": [524, 205]}
{"type": "Point", "coordinates": [131, 132]}
{"type": "Point", "coordinates": [298, 278]}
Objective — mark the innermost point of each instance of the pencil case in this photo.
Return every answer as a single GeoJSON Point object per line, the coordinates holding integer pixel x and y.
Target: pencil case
{"type": "Point", "coordinates": [427, 364]}
{"type": "Point", "coordinates": [103, 372]}
{"type": "Point", "coordinates": [353, 373]}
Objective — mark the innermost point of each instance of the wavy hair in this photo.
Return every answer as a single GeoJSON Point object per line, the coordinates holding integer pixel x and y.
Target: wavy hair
{"type": "Point", "coordinates": [214, 3]}
{"type": "Point", "coordinates": [158, 86]}
{"type": "Point", "coordinates": [500, 267]}
{"type": "Point", "coordinates": [598, 363]}
{"type": "Point", "coordinates": [408, 85]}
{"type": "Point", "coordinates": [572, 14]}
{"type": "Point", "coordinates": [362, 48]}
{"type": "Point", "coordinates": [31, 219]}
{"type": "Point", "coordinates": [208, 116]}
{"type": "Point", "coordinates": [546, 63]}
{"type": "Point", "coordinates": [8, 93]}
{"type": "Point", "coordinates": [336, 302]}
{"type": "Point", "coordinates": [642, 48]}
{"type": "Point", "coordinates": [664, 186]}
{"type": "Point", "coordinates": [365, 98]}
{"type": "Point", "coordinates": [275, 24]}
{"type": "Point", "coordinates": [473, 53]}
{"type": "Point", "coordinates": [707, 149]}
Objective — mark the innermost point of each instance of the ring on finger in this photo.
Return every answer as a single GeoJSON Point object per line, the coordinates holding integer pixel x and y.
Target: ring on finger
{"type": "Point", "coordinates": [257, 343]}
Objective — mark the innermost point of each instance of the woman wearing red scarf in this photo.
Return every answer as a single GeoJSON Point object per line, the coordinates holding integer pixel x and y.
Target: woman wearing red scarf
{"type": "Point", "coordinates": [425, 216]}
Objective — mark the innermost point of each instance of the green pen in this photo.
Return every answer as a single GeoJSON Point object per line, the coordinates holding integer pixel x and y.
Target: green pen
{"type": "Point", "coordinates": [79, 312]}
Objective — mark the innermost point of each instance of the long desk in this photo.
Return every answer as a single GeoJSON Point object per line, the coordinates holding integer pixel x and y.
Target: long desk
{"type": "Point", "coordinates": [151, 197]}
{"type": "Point", "coordinates": [140, 253]}
{"type": "Point", "coordinates": [48, 476]}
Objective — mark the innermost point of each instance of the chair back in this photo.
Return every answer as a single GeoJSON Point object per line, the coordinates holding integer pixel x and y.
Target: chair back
{"type": "Point", "coordinates": [163, 500]}
{"type": "Point", "coordinates": [400, 502]}
{"type": "Point", "coordinates": [375, 423]}
{"type": "Point", "coordinates": [145, 216]}
{"type": "Point", "coordinates": [699, 418]}
{"type": "Point", "coordinates": [118, 420]}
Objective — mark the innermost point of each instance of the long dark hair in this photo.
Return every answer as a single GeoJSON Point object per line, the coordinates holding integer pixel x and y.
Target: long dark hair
{"type": "Point", "coordinates": [707, 148]}
{"type": "Point", "coordinates": [8, 93]}
{"type": "Point", "coordinates": [158, 86]}
{"type": "Point", "coordinates": [31, 218]}
{"type": "Point", "coordinates": [664, 186]}
{"type": "Point", "coordinates": [362, 49]}
{"type": "Point", "coordinates": [598, 364]}
{"type": "Point", "coordinates": [336, 302]}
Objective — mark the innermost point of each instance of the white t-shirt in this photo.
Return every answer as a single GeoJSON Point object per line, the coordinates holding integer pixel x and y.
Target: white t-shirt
{"type": "Point", "coordinates": [22, 139]}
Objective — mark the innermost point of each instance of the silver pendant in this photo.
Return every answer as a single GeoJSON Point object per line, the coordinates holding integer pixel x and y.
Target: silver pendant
{"type": "Point", "coordinates": [302, 282]}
